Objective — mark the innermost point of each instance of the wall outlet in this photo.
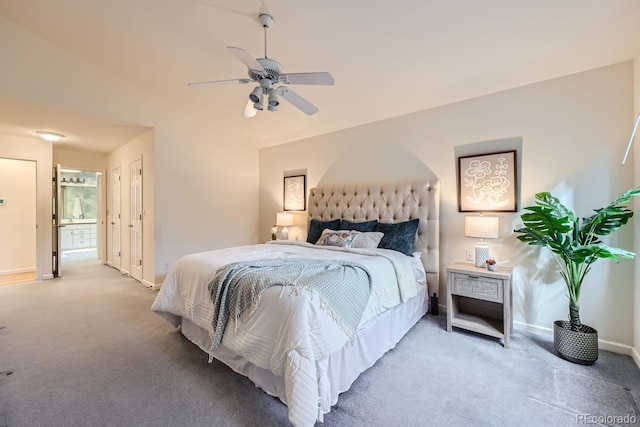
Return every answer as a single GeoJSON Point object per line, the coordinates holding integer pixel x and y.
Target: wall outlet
{"type": "Point", "coordinates": [166, 266]}
{"type": "Point", "coordinates": [469, 255]}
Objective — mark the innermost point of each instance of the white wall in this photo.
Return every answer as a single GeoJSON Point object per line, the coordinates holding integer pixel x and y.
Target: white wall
{"type": "Point", "coordinates": [17, 216]}
{"type": "Point", "coordinates": [206, 188]}
{"type": "Point", "coordinates": [39, 151]}
{"type": "Point", "coordinates": [573, 131]}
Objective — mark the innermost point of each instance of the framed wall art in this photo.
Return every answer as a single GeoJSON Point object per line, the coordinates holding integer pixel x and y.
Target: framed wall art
{"type": "Point", "coordinates": [487, 182]}
{"type": "Point", "coordinates": [295, 190]}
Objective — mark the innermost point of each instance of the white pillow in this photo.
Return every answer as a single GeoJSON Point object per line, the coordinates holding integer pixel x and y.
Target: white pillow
{"type": "Point", "coordinates": [367, 240]}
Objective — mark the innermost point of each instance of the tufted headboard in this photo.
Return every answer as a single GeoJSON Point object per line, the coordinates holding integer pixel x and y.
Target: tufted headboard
{"type": "Point", "coordinates": [390, 203]}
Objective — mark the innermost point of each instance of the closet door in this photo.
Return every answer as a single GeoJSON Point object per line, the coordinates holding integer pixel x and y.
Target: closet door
{"type": "Point", "coordinates": [116, 231]}
{"type": "Point", "coordinates": [135, 224]}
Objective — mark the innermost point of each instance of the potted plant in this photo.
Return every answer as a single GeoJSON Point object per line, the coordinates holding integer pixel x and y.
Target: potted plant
{"type": "Point", "coordinates": [491, 264]}
{"type": "Point", "coordinates": [575, 245]}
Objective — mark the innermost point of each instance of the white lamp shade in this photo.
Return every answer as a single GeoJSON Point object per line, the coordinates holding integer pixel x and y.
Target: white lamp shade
{"type": "Point", "coordinates": [480, 226]}
{"type": "Point", "coordinates": [284, 219]}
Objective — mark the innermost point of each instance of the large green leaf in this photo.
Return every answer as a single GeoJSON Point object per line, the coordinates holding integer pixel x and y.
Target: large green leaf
{"type": "Point", "coordinates": [610, 218]}
{"type": "Point", "coordinates": [547, 224]}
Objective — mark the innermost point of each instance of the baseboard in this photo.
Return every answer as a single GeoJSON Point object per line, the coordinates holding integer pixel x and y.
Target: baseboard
{"type": "Point", "coordinates": [602, 344]}
{"type": "Point", "coordinates": [47, 276]}
{"type": "Point", "coordinates": [17, 271]}
{"type": "Point", "coordinates": [636, 356]}
{"type": "Point", "coordinates": [124, 272]}
{"type": "Point", "coordinates": [153, 286]}
{"type": "Point", "coordinates": [109, 263]}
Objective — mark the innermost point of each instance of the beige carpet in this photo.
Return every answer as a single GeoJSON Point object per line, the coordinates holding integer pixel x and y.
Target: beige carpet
{"type": "Point", "coordinates": [86, 350]}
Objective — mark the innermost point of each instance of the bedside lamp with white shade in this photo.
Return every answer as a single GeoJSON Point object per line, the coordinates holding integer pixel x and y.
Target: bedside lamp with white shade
{"type": "Point", "coordinates": [284, 220]}
{"type": "Point", "coordinates": [482, 227]}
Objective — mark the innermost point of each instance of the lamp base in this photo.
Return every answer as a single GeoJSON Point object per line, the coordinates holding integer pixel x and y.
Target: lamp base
{"type": "Point", "coordinates": [285, 233]}
{"type": "Point", "coordinates": [482, 255]}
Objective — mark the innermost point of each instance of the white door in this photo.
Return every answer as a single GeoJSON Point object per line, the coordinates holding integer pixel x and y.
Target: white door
{"type": "Point", "coordinates": [135, 224]}
{"type": "Point", "coordinates": [57, 217]}
{"type": "Point", "coordinates": [100, 226]}
{"type": "Point", "coordinates": [115, 219]}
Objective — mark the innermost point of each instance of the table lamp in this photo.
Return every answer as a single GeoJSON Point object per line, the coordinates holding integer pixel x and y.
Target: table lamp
{"type": "Point", "coordinates": [482, 227]}
{"type": "Point", "coordinates": [284, 219]}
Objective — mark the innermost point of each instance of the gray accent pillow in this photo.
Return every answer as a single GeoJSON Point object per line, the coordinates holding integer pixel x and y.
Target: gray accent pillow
{"type": "Point", "coordinates": [363, 227]}
{"type": "Point", "coordinates": [316, 227]}
{"type": "Point", "coordinates": [398, 237]}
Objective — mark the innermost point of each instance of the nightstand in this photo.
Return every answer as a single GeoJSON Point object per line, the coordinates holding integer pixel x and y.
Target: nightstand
{"type": "Point", "coordinates": [480, 300]}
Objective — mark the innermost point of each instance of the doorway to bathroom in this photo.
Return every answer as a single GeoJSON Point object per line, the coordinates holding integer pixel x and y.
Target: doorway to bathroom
{"type": "Point", "coordinates": [79, 212]}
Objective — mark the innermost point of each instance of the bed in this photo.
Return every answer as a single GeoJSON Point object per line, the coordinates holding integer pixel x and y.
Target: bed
{"type": "Point", "coordinates": [289, 344]}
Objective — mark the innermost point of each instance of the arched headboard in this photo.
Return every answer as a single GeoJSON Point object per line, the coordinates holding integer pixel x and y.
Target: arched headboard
{"type": "Point", "coordinates": [390, 202]}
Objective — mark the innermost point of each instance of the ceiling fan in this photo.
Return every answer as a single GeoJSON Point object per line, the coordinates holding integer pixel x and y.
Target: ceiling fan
{"type": "Point", "coordinates": [272, 80]}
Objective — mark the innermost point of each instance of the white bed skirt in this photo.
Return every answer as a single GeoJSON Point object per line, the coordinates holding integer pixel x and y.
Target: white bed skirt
{"type": "Point", "coordinates": [337, 373]}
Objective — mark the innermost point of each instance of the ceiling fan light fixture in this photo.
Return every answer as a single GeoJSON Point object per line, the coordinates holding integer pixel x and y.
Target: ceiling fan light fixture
{"type": "Point", "coordinates": [273, 98]}
{"type": "Point", "coordinates": [256, 95]}
{"type": "Point", "coordinates": [258, 105]}
{"type": "Point", "coordinates": [50, 136]}
{"type": "Point", "coordinates": [272, 108]}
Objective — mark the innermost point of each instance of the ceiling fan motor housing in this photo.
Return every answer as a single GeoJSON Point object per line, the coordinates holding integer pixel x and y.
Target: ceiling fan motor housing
{"type": "Point", "coordinates": [272, 68]}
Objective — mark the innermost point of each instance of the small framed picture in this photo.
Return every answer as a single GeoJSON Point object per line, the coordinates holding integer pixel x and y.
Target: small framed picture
{"type": "Point", "coordinates": [487, 182]}
{"type": "Point", "coordinates": [295, 190]}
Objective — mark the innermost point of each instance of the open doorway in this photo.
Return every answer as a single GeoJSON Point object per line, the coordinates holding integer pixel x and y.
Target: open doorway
{"type": "Point", "coordinates": [80, 209]}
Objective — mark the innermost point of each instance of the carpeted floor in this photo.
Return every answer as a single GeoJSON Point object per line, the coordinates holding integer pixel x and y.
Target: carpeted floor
{"type": "Point", "coordinates": [85, 350]}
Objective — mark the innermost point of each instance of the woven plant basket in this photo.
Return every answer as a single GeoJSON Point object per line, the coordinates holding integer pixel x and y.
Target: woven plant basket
{"type": "Point", "coordinates": [575, 346]}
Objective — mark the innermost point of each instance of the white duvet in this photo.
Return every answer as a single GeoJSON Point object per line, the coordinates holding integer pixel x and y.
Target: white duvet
{"type": "Point", "coordinates": [286, 334]}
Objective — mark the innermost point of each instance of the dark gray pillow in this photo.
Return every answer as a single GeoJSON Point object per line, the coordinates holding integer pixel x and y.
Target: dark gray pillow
{"type": "Point", "coordinates": [398, 237]}
{"type": "Point", "coordinates": [316, 227]}
{"type": "Point", "coordinates": [364, 227]}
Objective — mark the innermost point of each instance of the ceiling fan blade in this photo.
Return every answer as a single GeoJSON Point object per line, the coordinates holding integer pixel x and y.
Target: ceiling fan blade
{"type": "Point", "coordinates": [239, 81]}
{"type": "Point", "coordinates": [249, 110]}
{"type": "Point", "coordinates": [248, 60]}
{"type": "Point", "coordinates": [321, 78]}
{"type": "Point", "coordinates": [298, 101]}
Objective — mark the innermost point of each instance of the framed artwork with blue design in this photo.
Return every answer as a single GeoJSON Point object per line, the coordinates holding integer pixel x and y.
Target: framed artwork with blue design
{"type": "Point", "coordinates": [487, 182]}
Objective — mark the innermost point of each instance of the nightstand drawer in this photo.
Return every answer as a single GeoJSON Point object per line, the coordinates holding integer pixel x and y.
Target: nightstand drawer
{"type": "Point", "coordinates": [478, 287]}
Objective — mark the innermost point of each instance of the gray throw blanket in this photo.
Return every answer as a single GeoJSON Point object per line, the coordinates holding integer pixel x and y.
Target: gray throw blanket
{"type": "Point", "coordinates": [344, 289]}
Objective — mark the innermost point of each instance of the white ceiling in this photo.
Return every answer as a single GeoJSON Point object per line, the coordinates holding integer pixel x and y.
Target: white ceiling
{"type": "Point", "coordinates": [387, 58]}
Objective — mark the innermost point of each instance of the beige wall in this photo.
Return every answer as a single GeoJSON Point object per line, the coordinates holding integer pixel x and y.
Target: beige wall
{"type": "Point", "coordinates": [84, 160]}
{"type": "Point", "coordinates": [140, 148]}
{"type": "Point", "coordinates": [206, 187]}
{"type": "Point", "coordinates": [573, 131]}
{"type": "Point", "coordinates": [39, 151]}
{"type": "Point", "coordinates": [17, 216]}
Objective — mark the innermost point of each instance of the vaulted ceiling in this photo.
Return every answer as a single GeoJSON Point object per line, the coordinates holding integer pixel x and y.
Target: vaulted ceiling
{"type": "Point", "coordinates": [388, 58]}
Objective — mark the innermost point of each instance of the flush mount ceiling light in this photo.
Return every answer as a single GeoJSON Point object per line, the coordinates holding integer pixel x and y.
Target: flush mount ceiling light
{"type": "Point", "coordinates": [50, 136]}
